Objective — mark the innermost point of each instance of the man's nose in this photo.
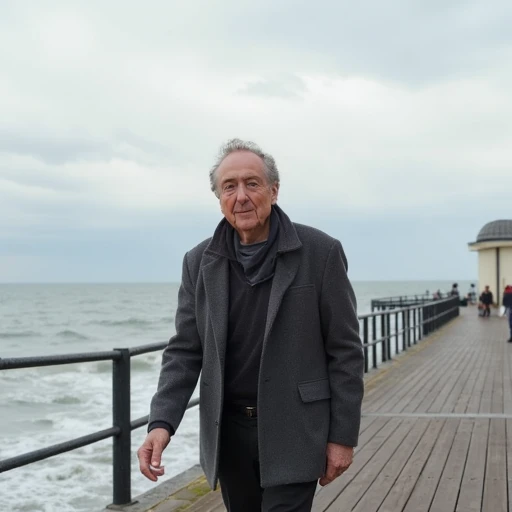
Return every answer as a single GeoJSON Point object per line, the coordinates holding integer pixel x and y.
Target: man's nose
{"type": "Point", "coordinates": [241, 195]}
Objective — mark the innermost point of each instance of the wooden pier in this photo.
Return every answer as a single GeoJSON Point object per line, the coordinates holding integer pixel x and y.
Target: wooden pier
{"type": "Point", "coordinates": [436, 433]}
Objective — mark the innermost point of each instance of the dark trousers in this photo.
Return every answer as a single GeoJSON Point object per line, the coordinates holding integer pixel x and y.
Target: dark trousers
{"type": "Point", "coordinates": [239, 473]}
{"type": "Point", "coordinates": [487, 310]}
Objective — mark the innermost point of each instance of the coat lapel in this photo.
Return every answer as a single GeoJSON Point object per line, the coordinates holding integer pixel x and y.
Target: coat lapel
{"type": "Point", "coordinates": [287, 266]}
{"type": "Point", "coordinates": [216, 283]}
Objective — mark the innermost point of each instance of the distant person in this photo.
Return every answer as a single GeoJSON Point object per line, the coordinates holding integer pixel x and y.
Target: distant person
{"type": "Point", "coordinates": [267, 321]}
{"type": "Point", "coordinates": [507, 302]}
{"type": "Point", "coordinates": [436, 295]}
{"type": "Point", "coordinates": [472, 294]}
{"type": "Point", "coordinates": [455, 290]}
{"type": "Point", "coordinates": [487, 300]}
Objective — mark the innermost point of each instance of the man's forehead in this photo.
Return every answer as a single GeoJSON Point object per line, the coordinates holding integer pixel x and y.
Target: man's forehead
{"type": "Point", "coordinates": [241, 164]}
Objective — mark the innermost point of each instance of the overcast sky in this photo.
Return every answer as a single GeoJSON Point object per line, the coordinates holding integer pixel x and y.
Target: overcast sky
{"type": "Point", "coordinates": [391, 124]}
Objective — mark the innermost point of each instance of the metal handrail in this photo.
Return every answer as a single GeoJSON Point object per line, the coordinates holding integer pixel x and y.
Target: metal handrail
{"type": "Point", "coordinates": [417, 321]}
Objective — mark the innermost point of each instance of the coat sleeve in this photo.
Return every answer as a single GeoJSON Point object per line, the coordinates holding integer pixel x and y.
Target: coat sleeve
{"type": "Point", "coordinates": [181, 360]}
{"type": "Point", "coordinates": [340, 330]}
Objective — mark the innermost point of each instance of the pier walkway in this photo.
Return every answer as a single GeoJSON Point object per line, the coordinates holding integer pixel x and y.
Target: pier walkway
{"type": "Point", "coordinates": [436, 433]}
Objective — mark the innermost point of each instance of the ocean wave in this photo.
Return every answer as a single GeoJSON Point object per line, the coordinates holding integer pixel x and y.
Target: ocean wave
{"type": "Point", "coordinates": [43, 422]}
{"type": "Point", "coordinates": [20, 334]}
{"type": "Point", "coordinates": [69, 474]}
{"type": "Point", "coordinates": [142, 364]}
{"type": "Point", "coordinates": [130, 322]}
{"type": "Point", "coordinates": [72, 334]}
{"type": "Point", "coordinates": [137, 364]}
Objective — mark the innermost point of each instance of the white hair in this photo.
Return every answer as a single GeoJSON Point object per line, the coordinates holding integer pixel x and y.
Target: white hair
{"type": "Point", "coordinates": [233, 145]}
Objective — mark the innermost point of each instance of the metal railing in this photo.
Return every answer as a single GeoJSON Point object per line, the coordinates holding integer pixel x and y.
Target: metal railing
{"type": "Point", "coordinates": [403, 326]}
{"type": "Point", "coordinates": [395, 329]}
{"type": "Point", "coordinates": [404, 301]}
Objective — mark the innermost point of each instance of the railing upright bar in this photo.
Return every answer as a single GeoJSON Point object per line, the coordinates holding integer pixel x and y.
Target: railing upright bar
{"type": "Point", "coordinates": [365, 344]}
{"type": "Point", "coordinates": [374, 337]}
{"type": "Point", "coordinates": [384, 349]}
{"type": "Point", "coordinates": [397, 334]}
{"type": "Point", "coordinates": [122, 493]}
{"type": "Point", "coordinates": [388, 335]}
{"type": "Point", "coordinates": [404, 344]}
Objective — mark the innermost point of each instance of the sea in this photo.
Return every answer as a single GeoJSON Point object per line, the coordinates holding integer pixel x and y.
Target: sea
{"type": "Point", "coordinates": [43, 406]}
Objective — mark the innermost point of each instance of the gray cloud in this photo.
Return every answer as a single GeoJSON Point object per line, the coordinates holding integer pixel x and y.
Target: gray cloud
{"type": "Point", "coordinates": [282, 87]}
{"type": "Point", "coordinates": [111, 114]}
{"type": "Point", "coordinates": [51, 148]}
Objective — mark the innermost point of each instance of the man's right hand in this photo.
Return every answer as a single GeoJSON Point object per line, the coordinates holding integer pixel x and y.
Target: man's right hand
{"type": "Point", "coordinates": [150, 453]}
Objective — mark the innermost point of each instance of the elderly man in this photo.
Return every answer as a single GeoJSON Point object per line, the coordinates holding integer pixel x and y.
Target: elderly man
{"type": "Point", "coordinates": [267, 317]}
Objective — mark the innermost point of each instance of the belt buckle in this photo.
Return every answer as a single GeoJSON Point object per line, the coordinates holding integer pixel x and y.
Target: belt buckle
{"type": "Point", "coordinates": [250, 412]}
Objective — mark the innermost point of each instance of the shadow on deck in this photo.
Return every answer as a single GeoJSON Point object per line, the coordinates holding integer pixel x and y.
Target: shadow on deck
{"type": "Point", "coordinates": [436, 432]}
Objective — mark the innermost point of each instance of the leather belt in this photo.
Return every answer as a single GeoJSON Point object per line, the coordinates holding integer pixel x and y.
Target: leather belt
{"type": "Point", "coordinates": [246, 410]}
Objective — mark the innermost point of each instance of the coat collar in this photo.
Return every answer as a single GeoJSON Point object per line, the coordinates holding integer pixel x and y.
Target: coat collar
{"type": "Point", "coordinates": [216, 277]}
{"type": "Point", "coordinates": [221, 242]}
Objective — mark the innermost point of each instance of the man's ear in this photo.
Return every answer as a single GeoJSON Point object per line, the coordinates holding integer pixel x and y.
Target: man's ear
{"type": "Point", "coordinates": [275, 192]}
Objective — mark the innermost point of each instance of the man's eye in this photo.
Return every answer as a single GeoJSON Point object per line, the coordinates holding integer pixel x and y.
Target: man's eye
{"type": "Point", "coordinates": [228, 186]}
{"type": "Point", "coordinates": [252, 184]}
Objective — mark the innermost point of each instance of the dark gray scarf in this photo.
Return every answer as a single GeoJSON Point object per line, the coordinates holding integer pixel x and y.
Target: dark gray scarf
{"type": "Point", "coordinates": [259, 260]}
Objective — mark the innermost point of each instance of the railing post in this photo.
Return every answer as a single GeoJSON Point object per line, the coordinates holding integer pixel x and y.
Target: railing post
{"type": "Point", "coordinates": [404, 330]}
{"type": "Point", "coordinates": [121, 418]}
{"type": "Point", "coordinates": [365, 342]}
{"type": "Point", "coordinates": [384, 345]}
{"type": "Point", "coordinates": [388, 334]}
{"type": "Point", "coordinates": [397, 348]}
{"type": "Point", "coordinates": [420, 322]}
{"type": "Point", "coordinates": [374, 337]}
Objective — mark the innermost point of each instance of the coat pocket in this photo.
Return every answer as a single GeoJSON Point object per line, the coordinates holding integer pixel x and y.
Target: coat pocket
{"type": "Point", "coordinates": [313, 390]}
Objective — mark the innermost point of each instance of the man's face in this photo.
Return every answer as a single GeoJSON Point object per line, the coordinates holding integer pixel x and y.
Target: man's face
{"type": "Point", "coordinates": [246, 198]}
{"type": "Point", "coordinates": [486, 288]}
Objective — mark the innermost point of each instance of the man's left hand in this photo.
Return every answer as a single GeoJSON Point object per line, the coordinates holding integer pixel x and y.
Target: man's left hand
{"type": "Point", "coordinates": [339, 458]}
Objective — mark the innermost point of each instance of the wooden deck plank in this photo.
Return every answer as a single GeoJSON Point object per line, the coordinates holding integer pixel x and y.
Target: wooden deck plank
{"type": "Point", "coordinates": [497, 387]}
{"type": "Point", "coordinates": [435, 376]}
{"type": "Point", "coordinates": [495, 484]}
{"type": "Point", "coordinates": [453, 397]}
{"type": "Point", "coordinates": [424, 361]}
{"type": "Point", "coordinates": [476, 398]}
{"type": "Point", "coordinates": [445, 498]}
{"type": "Point", "coordinates": [378, 490]}
{"type": "Point", "coordinates": [463, 401]}
{"type": "Point", "coordinates": [441, 386]}
{"type": "Point", "coordinates": [369, 444]}
{"type": "Point", "coordinates": [403, 485]}
{"type": "Point", "coordinates": [485, 402]}
{"type": "Point", "coordinates": [423, 493]}
{"type": "Point", "coordinates": [211, 502]}
{"type": "Point", "coordinates": [509, 462]}
{"type": "Point", "coordinates": [472, 486]}
{"type": "Point", "coordinates": [358, 486]}
{"type": "Point", "coordinates": [507, 383]}
{"type": "Point", "coordinates": [413, 384]}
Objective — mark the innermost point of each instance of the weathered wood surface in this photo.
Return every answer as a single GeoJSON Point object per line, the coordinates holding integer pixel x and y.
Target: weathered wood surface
{"type": "Point", "coordinates": [436, 434]}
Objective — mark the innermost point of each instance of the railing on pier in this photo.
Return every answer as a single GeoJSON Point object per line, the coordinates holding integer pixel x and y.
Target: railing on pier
{"type": "Point", "coordinates": [405, 301]}
{"type": "Point", "coordinates": [384, 334]}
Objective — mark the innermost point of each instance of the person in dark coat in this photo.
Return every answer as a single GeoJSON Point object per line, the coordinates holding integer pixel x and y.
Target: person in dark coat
{"type": "Point", "coordinates": [487, 300]}
{"type": "Point", "coordinates": [507, 302]}
{"type": "Point", "coordinates": [267, 321]}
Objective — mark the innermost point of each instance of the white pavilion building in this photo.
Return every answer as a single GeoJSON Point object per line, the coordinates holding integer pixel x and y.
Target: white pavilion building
{"type": "Point", "coordinates": [494, 246]}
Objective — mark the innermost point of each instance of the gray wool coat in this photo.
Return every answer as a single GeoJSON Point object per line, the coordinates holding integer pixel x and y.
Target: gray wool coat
{"type": "Point", "coordinates": [311, 374]}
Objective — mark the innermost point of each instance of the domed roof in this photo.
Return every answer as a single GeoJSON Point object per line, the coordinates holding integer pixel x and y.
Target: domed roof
{"type": "Point", "coordinates": [495, 230]}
